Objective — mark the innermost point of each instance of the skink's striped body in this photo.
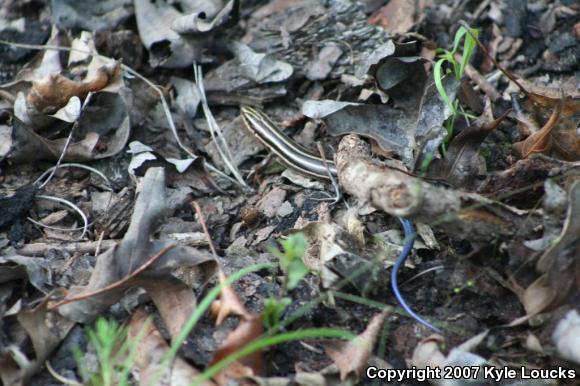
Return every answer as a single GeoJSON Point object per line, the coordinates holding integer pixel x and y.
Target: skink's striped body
{"type": "Point", "coordinates": [288, 151]}
{"type": "Point", "coordinates": [300, 159]}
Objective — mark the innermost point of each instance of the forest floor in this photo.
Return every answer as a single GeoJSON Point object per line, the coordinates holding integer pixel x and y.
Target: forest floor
{"type": "Point", "coordinates": [168, 192]}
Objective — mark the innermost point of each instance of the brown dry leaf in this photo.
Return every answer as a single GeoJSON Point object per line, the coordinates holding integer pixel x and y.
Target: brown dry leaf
{"type": "Point", "coordinates": [249, 329]}
{"type": "Point", "coordinates": [565, 137]}
{"type": "Point", "coordinates": [228, 304]}
{"type": "Point", "coordinates": [565, 141]}
{"type": "Point", "coordinates": [150, 353]}
{"type": "Point", "coordinates": [133, 251]}
{"type": "Point", "coordinates": [54, 91]}
{"type": "Point", "coordinates": [559, 264]}
{"type": "Point", "coordinates": [540, 141]}
{"type": "Point", "coordinates": [548, 98]}
{"type": "Point", "coordinates": [174, 300]}
{"type": "Point", "coordinates": [460, 163]}
{"type": "Point", "coordinates": [352, 356]}
{"type": "Point", "coordinates": [397, 17]}
{"type": "Point", "coordinates": [538, 297]}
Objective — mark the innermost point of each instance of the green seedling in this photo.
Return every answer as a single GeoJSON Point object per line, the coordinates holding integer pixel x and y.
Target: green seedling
{"type": "Point", "coordinates": [273, 310]}
{"type": "Point", "coordinates": [291, 263]}
{"type": "Point", "coordinates": [115, 353]}
{"type": "Point", "coordinates": [446, 59]}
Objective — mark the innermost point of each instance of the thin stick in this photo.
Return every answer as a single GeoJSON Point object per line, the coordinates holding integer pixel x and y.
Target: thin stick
{"type": "Point", "coordinates": [486, 52]}
{"type": "Point", "coordinates": [116, 284]}
{"type": "Point", "coordinates": [34, 249]}
{"type": "Point", "coordinates": [479, 80]}
{"type": "Point", "coordinates": [204, 226]}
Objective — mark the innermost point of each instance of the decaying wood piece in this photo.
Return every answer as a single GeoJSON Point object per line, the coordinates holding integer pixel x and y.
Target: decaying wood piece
{"type": "Point", "coordinates": [460, 214]}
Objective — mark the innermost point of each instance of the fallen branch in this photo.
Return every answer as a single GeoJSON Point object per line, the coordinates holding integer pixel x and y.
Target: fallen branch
{"type": "Point", "coordinates": [460, 214]}
{"type": "Point", "coordinates": [193, 239]}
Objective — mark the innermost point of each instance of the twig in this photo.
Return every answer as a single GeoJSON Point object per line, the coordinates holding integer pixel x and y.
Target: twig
{"type": "Point", "coordinates": [478, 79]}
{"type": "Point", "coordinates": [37, 249]}
{"type": "Point", "coordinates": [99, 243]}
{"type": "Point", "coordinates": [116, 284]}
{"type": "Point", "coordinates": [486, 52]}
{"type": "Point", "coordinates": [204, 226]}
{"type": "Point", "coordinates": [337, 192]}
{"type": "Point", "coordinates": [196, 239]}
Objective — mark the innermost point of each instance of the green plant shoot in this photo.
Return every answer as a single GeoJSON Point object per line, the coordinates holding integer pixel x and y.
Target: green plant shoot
{"type": "Point", "coordinates": [273, 309]}
{"type": "Point", "coordinates": [114, 350]}
{"type": "Point", "coordinates": [291, 263]}
{"type": "Point", "coordinates": [457, 69]}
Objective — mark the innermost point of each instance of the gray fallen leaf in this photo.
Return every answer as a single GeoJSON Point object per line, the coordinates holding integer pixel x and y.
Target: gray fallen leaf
{"type": "Point", "coordinates": [241, 144]}
{"type": "Point", "coordinates": [381, 52]}
{"type": "Point", "coordinates": [197, 22]}
{"type": "Point", "coordinates": [166, 47]}
{"type": "Point", "coordinates": [35, 270]}
{"type": "Point", "coordinates": [320, 109]}
{"type": "Point", "coordinates": [5, 140]}
{"type": "Point", "coordinates": [70, 112]}
{"type": "Point", "coordinates": [188, 96]}
{"type": "Point", "coordinates": [321, 66]}
{"type": "Point", "coordinates": [261, 68]}
{"type": "Point", "coordinates": [92, 16]}
{"type": "Point", "coordinates": [394, 70]}
{"type": "Point", "coordinates": [28, 146]}
{"type": "Point", "coordinates": [380, 122]}
{"type": "Point", "coordinates": [181, 173]}
{"type": "Point", "coordinates": [136, 147]}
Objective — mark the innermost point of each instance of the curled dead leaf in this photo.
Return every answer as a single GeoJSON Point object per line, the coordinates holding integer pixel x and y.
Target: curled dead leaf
{"type": "Point", "coordinates": [541, 141]}
{"type": "Point", "coordinates": [53, 91]}
{"type": "Point", "coordinates": [249, 329]}
{"type": "Point", "coordinates": [352, 357]}
{"type": "Point", "coordinates": [151, 352]}
{"type": "Point", "coordinates": [228, 304]}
